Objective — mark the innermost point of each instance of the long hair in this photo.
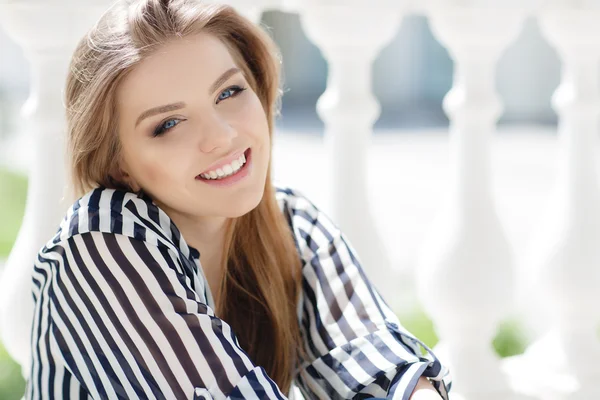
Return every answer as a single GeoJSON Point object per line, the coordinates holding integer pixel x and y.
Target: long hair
{"type": "Point", "coordinates": [259, 292]}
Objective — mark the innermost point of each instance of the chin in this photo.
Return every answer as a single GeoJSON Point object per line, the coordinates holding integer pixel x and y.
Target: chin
{"type": "Point", "coordinates": [240, 207]}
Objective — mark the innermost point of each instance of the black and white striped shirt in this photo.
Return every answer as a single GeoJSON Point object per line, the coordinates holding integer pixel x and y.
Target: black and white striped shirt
{"type": "Point", "coordinates": [122, 311]}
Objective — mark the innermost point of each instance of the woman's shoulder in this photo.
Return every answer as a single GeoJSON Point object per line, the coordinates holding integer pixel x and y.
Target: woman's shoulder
{"type": "Point", "coordinates": [113, 211]}
{"type": "Point", "coordinates": [312, 228]}
{"type": "Point", "coordinates": [293, 202]}
{"type": "Point", "coordinates": [294, 199]}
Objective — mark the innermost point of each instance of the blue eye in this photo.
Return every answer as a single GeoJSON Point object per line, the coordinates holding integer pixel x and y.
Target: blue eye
{"type": "Point", "coordinates": [230, 92]}
{"type": "Point", "coordinates": [165, 126]}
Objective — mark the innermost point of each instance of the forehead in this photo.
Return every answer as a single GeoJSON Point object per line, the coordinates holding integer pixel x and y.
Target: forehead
{"type": "Point", "coordinates": [180, 66]}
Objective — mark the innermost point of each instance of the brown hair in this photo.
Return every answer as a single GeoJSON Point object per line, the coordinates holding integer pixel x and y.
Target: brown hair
{"type": "Point", "coordinates": [259, 292]}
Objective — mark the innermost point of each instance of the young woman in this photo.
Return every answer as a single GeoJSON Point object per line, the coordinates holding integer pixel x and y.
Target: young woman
{"type": "Point", "coordinates": [181, 272]}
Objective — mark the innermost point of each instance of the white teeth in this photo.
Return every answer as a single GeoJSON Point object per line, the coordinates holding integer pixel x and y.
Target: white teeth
{"type": "Point", "coordinates": [226, 170]}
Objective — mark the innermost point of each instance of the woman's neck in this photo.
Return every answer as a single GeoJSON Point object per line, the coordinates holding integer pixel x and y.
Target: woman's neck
{"type": "Point", "coordinates": [206, 234]}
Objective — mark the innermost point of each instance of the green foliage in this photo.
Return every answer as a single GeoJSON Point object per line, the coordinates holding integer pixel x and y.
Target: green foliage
{"type": "Point", "coordinates": [509, 341]}
{"type": "Point", "coordinates": [13, 193]}
{"type": "Point", "coordinates": [421, 326]}
{"type": "Point", "coordinates": [12, 384]}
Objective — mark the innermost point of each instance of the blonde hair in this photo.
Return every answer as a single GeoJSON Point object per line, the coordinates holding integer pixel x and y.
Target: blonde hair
{"type": "Point", "coordinates": [260, 289]}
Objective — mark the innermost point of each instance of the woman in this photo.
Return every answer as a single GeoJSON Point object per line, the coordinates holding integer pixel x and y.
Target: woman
{"type": "Point", "coordinates": [181, 272]}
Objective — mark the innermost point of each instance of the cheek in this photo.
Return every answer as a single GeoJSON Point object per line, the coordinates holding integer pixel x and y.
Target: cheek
{"type": "Point", "coordinates": [255, 119]}
{"type": "Point", "coordinates": [166, 169]}
{"type": "Point", "coordinates": [149, 168]}
{"type": "Point", "coordinates": [153, 173]}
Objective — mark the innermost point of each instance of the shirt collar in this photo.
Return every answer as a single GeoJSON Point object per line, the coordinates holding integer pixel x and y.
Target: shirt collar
{"type": "Point", "coordinates": [163, 221]}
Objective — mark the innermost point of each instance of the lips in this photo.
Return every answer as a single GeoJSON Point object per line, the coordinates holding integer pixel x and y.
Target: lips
{"type": "Point", "coordinates": [225, 160]}
{"type": "Point", "coordinates": [224, 167]}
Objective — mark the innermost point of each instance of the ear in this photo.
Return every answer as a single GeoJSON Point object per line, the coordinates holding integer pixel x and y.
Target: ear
{"type": "Point", "coordinates": [119, 173]}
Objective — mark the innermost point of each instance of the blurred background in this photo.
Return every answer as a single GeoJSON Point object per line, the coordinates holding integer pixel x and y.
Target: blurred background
{"type": "Point", "coordinates": [408, 158]}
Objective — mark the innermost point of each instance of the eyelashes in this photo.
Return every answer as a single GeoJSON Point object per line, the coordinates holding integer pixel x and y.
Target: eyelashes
{"type": "Point", "coordinates": [170, 123]}
{"type": "Point", "coordinates": [236, 90]}
{"type": "Point", "coordinates": [165, 126]}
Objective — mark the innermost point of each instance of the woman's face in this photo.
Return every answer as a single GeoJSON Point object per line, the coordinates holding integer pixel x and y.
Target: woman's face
{"type": "Point", "coordinates": [194, 135]}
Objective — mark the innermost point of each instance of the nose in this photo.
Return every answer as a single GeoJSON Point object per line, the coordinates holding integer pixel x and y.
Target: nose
{"type": "Point", "coordinates": [216, 133]}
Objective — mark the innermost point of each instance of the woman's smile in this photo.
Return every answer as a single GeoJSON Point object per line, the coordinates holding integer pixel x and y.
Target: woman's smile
{"type": "Point", "coordinates": [228, 173]}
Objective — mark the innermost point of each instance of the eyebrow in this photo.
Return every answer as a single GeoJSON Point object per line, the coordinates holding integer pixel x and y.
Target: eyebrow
{"type": "Point", "coordinates": [176, 106]}
{"type": "Point", "coordinates": [223, 78]}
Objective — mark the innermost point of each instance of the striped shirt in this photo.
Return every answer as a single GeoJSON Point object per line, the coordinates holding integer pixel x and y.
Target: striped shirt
{"type": "Point", "coordinates": [123, 311]}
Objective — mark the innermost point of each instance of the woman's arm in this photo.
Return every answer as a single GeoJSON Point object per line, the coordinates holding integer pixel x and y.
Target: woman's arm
{"type": "Point", "coordinates": [127, 323]}
{"type": "Point", "coordinates": [425, 391]}
{"type": "Point", "coordinates": [355, 345]}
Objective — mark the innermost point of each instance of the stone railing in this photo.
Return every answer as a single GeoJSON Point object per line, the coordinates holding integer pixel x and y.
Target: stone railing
{"type": "Point", "coordinates": [467, 278]}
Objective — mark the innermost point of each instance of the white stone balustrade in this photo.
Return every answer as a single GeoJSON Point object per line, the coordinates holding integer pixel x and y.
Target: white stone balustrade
{"type": "Point", "coordinates": [565, 254]}
{"type": "Point", "coordinates": [466, 275]}
{"type": "Point", "coordinates": [466, 278]}
{"type": "Point", "coordinates": [350, 34]}
{"type": "Point", "coordinates": [47, 31]}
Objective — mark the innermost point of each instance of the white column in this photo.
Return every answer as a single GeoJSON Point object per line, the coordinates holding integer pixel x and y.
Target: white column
{"type": "Point", "coordinates": [465, 275]}
{"type": "Point", "coordinates": [565, 254]}
{"type": "Point", "coordinates": [47, 31]}
{"type": "Point", "coordinates": [350, 35]}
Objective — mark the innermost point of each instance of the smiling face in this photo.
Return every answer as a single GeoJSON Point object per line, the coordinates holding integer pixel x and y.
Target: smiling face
{"type": "Point", "coordinates": [193, 133]}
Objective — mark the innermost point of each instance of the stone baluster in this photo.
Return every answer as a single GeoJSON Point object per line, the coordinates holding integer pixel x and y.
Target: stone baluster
{"type": "Point", "coordinates": [47, 31]}
{"type": "Point", "coordinates": [465, 274]}
{"type": "Point", "coordinates": [350, 34]}
{"type": "Point", "coordinates": [565, 252]}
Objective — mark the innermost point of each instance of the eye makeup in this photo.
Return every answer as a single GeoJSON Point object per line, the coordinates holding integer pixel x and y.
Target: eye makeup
{"type": "Point", "coordinates": [170, 123]}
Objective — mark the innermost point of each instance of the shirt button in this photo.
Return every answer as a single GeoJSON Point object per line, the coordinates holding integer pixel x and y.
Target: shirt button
{"type": "Point", "coordinates": [202, 394]}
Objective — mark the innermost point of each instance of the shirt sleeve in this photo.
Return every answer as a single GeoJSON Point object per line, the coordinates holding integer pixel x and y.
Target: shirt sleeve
{"type": "Point", "coordinates": [355, 345]}
{"type": "Point", "coordinates": [128, 324]}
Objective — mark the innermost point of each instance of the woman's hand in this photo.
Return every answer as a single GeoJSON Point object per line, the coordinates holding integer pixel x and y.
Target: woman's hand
{"type": "Point", "coordinates": [425, 391]}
